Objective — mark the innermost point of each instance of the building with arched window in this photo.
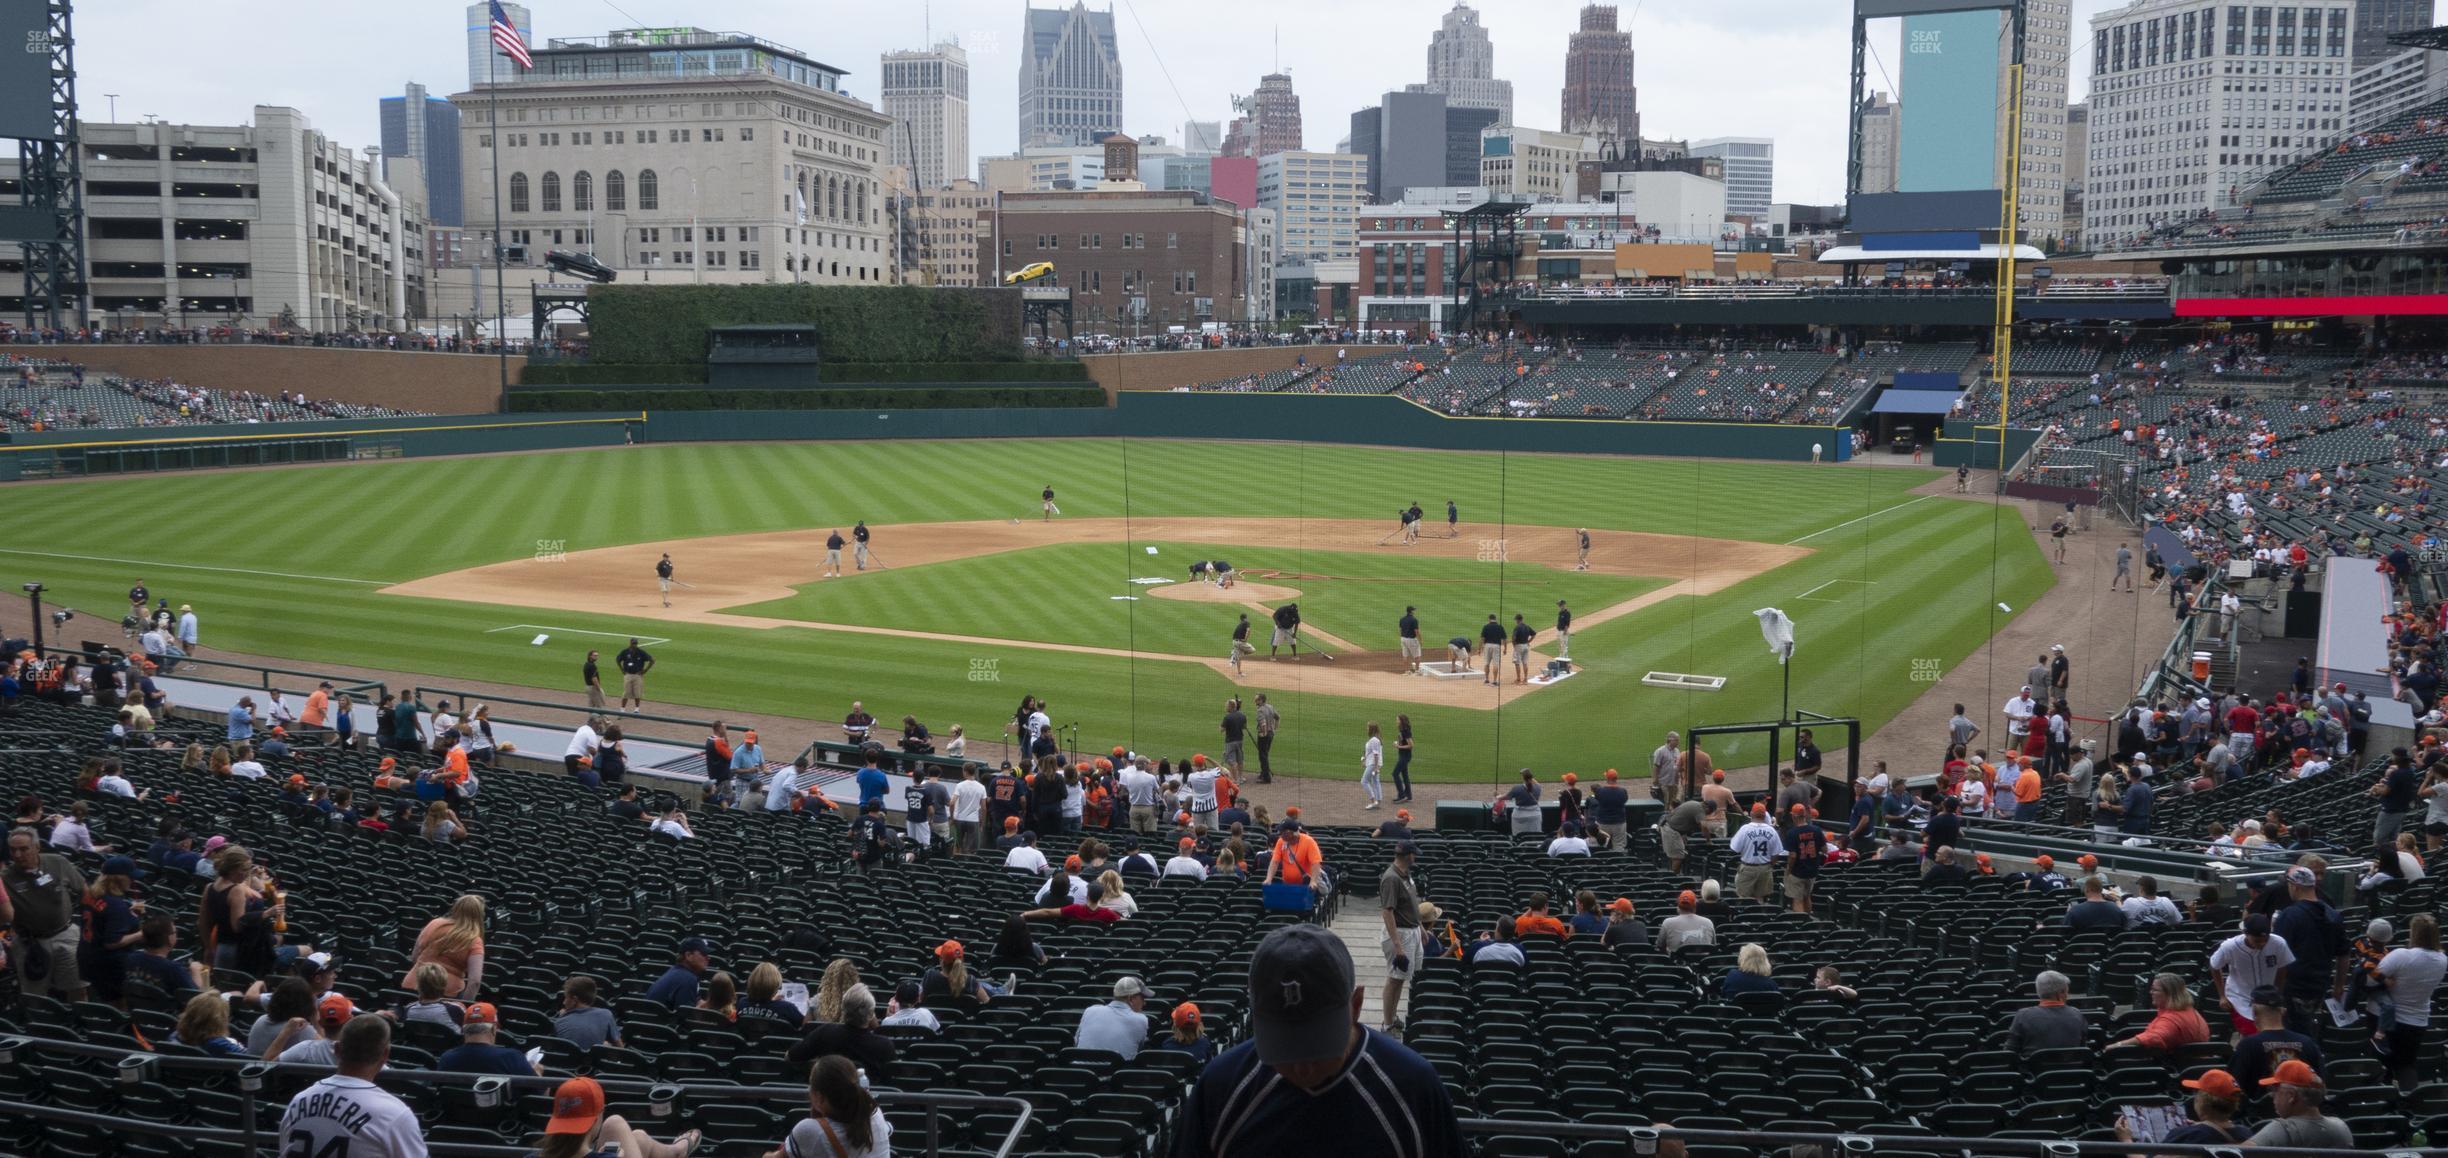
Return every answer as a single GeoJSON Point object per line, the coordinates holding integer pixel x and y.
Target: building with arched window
{"type": "Point", "coordinates": [674, 152]}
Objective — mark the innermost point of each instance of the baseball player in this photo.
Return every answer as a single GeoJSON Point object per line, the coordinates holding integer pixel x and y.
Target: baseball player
{"type": "Point", "coordinates": [1491, 642]}
{"type": "Point", "coordinates": [1583, 563]}
{"type": "Point", "coordinates": [1523, 633]}
{"type": "Point", "coordinates": [1050, 509]}
{"type": "Point", "coordinates": [663, 577]}
{"type": "Point", "coordinates": [833, 546]}
{"type": "Point", "coordinates": [1240, 643]}
{"type": "Point", "coordinates": [859, 533]}
{"type": "Point", "coordinates": [1408, 629]}
{"type": "Point", "coordinates": [1453, 520]}
{"type": "Point", "coordinates": [1563, 631]}
{"type": "Point", "coordinates": [1287, 631]}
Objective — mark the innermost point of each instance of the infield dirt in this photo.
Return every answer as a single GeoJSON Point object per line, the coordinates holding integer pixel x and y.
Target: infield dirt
{"type": "Point", "coordinates": [737, 570]}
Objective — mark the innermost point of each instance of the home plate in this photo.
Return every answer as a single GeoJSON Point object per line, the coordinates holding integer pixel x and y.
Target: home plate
{"type": "Point", "coordinates": [1446, 670]}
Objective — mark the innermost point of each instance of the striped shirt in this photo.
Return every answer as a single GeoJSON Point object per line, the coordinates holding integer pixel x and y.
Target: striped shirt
{"type": "Point", "coordinates": [1387, 1101]}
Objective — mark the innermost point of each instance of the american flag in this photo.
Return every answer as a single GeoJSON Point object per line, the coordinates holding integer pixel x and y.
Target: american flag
{"type": "Point", "coordinates": [506, 37]}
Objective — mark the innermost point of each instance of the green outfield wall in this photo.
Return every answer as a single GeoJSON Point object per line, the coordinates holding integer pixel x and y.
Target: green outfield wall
{"type": "Point", "coordinates": [1363, 420]}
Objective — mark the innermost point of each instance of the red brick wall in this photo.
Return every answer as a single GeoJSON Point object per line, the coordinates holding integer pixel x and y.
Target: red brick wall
{"type": "Point", "coordinates": [436, 383]}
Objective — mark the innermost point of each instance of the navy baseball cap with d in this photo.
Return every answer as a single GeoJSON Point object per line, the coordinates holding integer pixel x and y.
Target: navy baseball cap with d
{"type": "Point", "coordinates": [1301, 982]}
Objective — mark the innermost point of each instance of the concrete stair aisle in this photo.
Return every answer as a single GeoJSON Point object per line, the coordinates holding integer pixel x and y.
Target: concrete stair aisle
{"type": "Point", "coordinates": [1361, 925]}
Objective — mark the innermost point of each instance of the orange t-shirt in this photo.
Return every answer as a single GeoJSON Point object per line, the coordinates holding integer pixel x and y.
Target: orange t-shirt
{"type": "Point", "coordinates": [1540, 923]}
{"type": "Point", "coordinates": [2027, 786]}
{"type": "Point", "coordinates": [1296, 857]}
{"type": "Point", "coordinates": [317, 709]}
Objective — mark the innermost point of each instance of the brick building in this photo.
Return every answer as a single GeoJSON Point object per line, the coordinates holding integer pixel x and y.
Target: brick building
{"type": "Point", "coordinates": [1155, 257]}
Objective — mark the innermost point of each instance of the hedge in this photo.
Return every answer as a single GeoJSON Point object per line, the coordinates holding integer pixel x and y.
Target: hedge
{"type": "Point", "coordinates": [668, 323]}
{"type": "Point", "coordinates": [849, 398]}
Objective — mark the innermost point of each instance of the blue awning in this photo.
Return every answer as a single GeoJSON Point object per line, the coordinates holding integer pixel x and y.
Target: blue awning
{"type": "Point", "coordinates": [1917, 402]}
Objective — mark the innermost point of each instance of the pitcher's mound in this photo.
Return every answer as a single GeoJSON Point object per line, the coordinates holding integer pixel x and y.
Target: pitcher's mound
{"type": "Point", "coordinates": [1237, 593]}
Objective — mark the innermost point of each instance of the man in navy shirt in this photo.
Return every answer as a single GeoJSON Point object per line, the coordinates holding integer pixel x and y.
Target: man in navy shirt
{"type": "Point", "coordinates": [152, 961]}
{"type": "Point", "coordinates": [1608, 809]}
{"type": "Point", "coordinates": [479, 1053]}
{"type": "Point", "coordinates": [677, 987]}
{"type": "Point", "coordinates": [1312, 1079]}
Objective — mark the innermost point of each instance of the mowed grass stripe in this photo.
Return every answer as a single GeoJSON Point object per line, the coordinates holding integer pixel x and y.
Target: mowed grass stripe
{"type": "Point", "coordinates": [421, 516]}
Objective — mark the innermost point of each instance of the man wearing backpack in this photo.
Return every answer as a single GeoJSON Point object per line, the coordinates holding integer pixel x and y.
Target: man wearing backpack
{"type": "Point", "coordinates": [2316, 932]}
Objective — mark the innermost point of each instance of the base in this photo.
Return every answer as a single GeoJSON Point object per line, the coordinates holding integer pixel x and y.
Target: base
{"type": "Point", "coordinates": [1685, 681]}
{"type": "Point", "coordinates": [1447, 670]}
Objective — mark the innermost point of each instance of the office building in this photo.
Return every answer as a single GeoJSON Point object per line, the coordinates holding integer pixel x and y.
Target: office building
{"type": "Point", "coordinates": [944, 235]}
{"type": "Point", "coordinates": [1667, 205]}
{"type": "Point", "coordinates": [425, 128]}
{"type": "Point", "coordinates": [927, 96]}
{"type": "Point", "coordinates": [2078, 153]}
{"type": "Point", "coordinates": [2048, 31]}
{"type": "Point", "coordinates": [243, 225]}
{"type": "Point", "coordinates": [1463, 129]}
{"type": "Point", "coordinates": [1316, 198]}
{"type": "Point", "coordinates": [485, 60]}
{"type": "Point", "coordinates": [1202, 138]}
{"type": "Point", "coordinates": [1518, 164]}
{"type": "Point", "coordinates": [1409, 139]}
{"type": "Point", "coordinates": [2376, 20]}
{"type": "Point", "coordinates": [1054, 168]}
{"type": "Point", "coordinates": [1070, 76]}
{"type": "Point", "coordinates": [1270, 120]}
{"type": "Point", "coordinates": [1140, 258]}
{"type": "Point", "coordinates": [2170, 134]}
{"type": "Point", "coordinates": [1462, 65]}
{"type": "Point", "coordinates": [2394, 84]}
{"type": "Point", "coordinates": [1878, 144]}
{"type": "Point", "coordinates": [1750, 172]}
{"type": "Point", "coordinates": [1599, 97]}
{"type": "Point", "coordinates": [1260, 234]}
{"type": "Point", "coordinates": [656, 149]}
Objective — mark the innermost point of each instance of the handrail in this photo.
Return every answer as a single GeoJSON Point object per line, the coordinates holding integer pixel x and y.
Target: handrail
{"type": "Point", "coordinates": [659, 1094]}
{"type": "Point", "coordinates": [1645, 1139]}
{"type": "Point", "coordinates": [264, 684]}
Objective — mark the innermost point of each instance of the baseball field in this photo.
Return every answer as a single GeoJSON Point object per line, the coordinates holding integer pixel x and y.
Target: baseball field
{"type": "Point", "coordinates": [450, 568]}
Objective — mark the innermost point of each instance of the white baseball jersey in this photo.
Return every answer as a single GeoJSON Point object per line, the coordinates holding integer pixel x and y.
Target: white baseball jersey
{"type": "Point", "coordinates": [1757, 843]}
{"type": "Point", "coordinates": [345, 1117]}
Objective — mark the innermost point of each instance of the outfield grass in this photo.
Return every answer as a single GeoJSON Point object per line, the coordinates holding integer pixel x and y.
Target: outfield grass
{"type": "Point", "coordinates": [1065, 594]}
{"type": "Point", "coordinates": [286, 563]}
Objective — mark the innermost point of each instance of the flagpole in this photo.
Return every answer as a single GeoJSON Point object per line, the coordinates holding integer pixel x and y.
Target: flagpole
{"type": "Point", "coordinates": [501, 319]}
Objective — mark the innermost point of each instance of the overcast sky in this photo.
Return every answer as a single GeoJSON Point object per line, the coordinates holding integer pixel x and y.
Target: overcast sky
{"type": "Point", "coordinates": [1706, 68]}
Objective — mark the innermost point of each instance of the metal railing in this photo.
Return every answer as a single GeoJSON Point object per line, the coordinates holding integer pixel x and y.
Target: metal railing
{"type": "Point", "coordinates": [1645, 1140]}
{"type": "Point", "coordinates": [664, 1099]}
{"type": "Point", "coordinates": [263, 675]}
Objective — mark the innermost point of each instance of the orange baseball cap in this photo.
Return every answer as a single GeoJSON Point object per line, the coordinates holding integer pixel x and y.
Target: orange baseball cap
{"type": "Point", "coordinates": [1759, 808]}
{"type": "Point", "coordinates": [576, 1107]}
{"type": "Point", "coordinates": [1198, 760]}
{"type": "Point", "coordinates": [1185, 1013]}
{"type": "Point", "coordinates": [2087, 861]}
{"type": "Point", "coordinates": [950, 951]}
{"type": "Point", "coordinates": [1717, 775]}
{"type": "Point", "coordinates": [1292, 811]}
{"type": "Point", "coordinates": [1103, 764]}
{"type": "Point", "coordinates": [1687, 898]}
{"type": "Point", "coordinates": [2216, 1083]}
{"type": "Point", "coordinates": [297, 780]}
{"type": "Point", "coordinates": [480, 1013]}
{"type": "Point", "coordinates": [388, 763]}
{"type": "Point", "coordinates": [1622, 905]}
{"type": "Point", "coordinates": [2295, 1073]}
{"type": "Point", "coordinates": [1799, 809]}
{"type": "Point", "coordinates": [1071, 863]}
{"type": "Point", "coordinates": [2045, 861]}
{"type": "Point", "coordinates": [1181, 818]}
{"type": "Point", "coordinates": [752, 735]}
{"type": "Point", "coordinates": [1118, 752]}
{"type": "Point", "coordinates": [1610, 774]}
{"type": "Point", "coordinates": [1011, 823]}
{"type": "Point", "coordinates": [1402, 814]}
{"type": "Point", "coordinates": [1188, 843]}
{"type": "Point", "coordinates": [1570, 778]}
{"type": "Point", "coordinates": [335, 1007]}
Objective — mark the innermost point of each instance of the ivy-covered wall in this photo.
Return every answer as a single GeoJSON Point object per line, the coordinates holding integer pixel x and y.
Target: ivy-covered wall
{"type": "Point", "coordinates": [668, 323]}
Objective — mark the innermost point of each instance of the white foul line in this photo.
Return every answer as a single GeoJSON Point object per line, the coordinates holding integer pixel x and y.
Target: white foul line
{"type": "Point", "coordinates": [1864, 518]}
{"type": "Point", "coordinates": [196, 567]}
{"type": "Point", "coordinates": [643, 640]}
{"type": "Point", "coordinates": [1831, 583]}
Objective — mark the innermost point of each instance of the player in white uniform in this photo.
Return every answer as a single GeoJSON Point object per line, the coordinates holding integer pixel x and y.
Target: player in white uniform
{"type": "Point", "coordinates": [346, 1115]}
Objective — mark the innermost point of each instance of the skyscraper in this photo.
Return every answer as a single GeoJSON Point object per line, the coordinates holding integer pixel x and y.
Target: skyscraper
{"type": "Point", "coordinates": [1271, 117]}
{"type": "Point", "coordinates": [1070, 77]}
{"type": "Point", "coordinates": [2048, 31]}
{"type": "Point", "coordinates": [1462, 65]}
{"type": "Point", "coordinates": [1878, 147]}
{"type": "Point", "coordinates": [480, 51]}
{"type": "Point", "coordinates": [1202, 138]}
{"type": "Point", "coordinates": [2374, 20]}
{"type": "Point", "coordinates": [426, 129]}
{"type": "Point", "coordinates": [1599, 97]}
{"type": "Point", "coordinates": [926, 93]}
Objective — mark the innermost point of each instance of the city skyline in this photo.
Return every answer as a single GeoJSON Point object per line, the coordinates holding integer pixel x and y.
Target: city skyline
{"type": "Point", "coordinates": [1690, 58]}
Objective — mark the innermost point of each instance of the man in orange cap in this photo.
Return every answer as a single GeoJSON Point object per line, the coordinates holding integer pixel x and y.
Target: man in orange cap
{"type": "Point", "coordinates": [1685, 927]}
{"type": "Point", "coordinates": [2296, 1095]}
{"type": "Point", "coordinates": [1807, 844]}
{"type": "Point", "coordinates": [480, 1051]}
{"type": "Point", "coordinates": [1610, 810]}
